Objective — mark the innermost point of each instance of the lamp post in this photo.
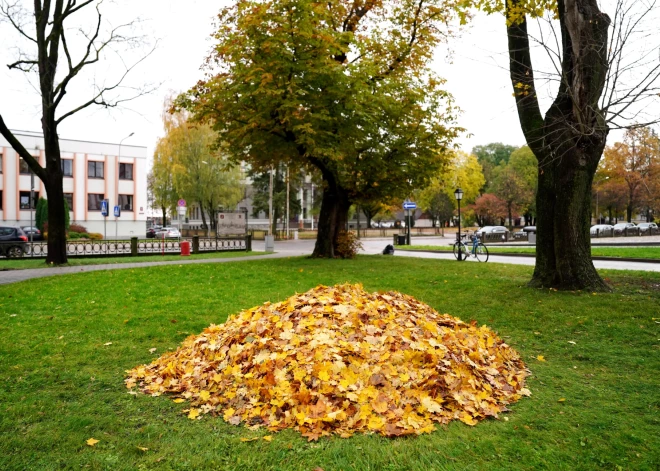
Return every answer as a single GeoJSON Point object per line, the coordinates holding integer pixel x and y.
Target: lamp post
{"type": "Point", "coordinates": [458, 194]}
{"type": "Point", "coordinates": [117, 188]}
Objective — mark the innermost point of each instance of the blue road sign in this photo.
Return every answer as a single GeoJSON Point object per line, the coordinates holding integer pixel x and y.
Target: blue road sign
{"type": "Point", "coordinates": [117, 211]}
{"type": "Point", "coordinates": [104, 208]}
{"type": "Point", "coordinates": [409, 205]}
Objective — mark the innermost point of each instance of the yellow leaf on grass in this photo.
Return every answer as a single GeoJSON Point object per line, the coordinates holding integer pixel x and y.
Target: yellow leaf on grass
{"type": "Point", "coordinates": [92, 441]}
{"type": "Point", "coordinates": [561, 399]}
{"type": "Point", "coordinates": [540, 358]}
{"type": "Point", "coordinates": [142, 448]}
{"type": "Point", "coordinates": [268, 438]}
{"type": "Point", "coordinates": [193, 414]}
{"type": "Point", "coordinates": [179, 401]}
{"type": "Point", "coordinates": [243, 439]}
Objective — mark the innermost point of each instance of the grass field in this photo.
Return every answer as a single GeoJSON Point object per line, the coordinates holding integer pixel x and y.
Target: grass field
{"type": "Point", "coordinates": [23, 263]}
{"type": "Point", "coordinates": [614, 252]}
{"type": "Point", "coordinates": [66, 341]}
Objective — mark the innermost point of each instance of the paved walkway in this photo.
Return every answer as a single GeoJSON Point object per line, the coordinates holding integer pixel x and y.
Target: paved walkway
{"type": "Point", "coordinates": [295, 248]}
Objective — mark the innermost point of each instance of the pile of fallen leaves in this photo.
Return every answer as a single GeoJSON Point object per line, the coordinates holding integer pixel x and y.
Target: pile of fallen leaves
{"type": "Point", "coordinates": [340, 360]}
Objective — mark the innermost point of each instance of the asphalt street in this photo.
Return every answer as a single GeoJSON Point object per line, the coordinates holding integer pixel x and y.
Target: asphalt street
{"type": "Point", "coordinates": [295, 248]}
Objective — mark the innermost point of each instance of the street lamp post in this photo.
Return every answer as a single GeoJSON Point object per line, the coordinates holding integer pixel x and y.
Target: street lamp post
{"type": "Point", "coordinates": [117, 188]}
{"type": "Point", "coordinates": [458, 194]}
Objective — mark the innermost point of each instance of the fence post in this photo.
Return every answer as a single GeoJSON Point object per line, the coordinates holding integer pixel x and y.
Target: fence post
{"type": "Point", "coordinates": [195, 244]}
{"type": "Point", "coordinates": [248, 243]}
{"type": "Point", "coordinates": [134, 246]}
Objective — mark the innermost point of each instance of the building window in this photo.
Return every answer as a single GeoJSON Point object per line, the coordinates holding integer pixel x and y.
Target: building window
{"type": "Point", "coordinates": [23, 167]}
{"type": "Point", "coordinates": [126, 171]}
{"type": "Point", "coordinates": [126, 202]}
{"type": "Point", "coordinates": [94, 201]}
{"type": "Point", "coordinates": [95, 169]}
{"type": "Point", "coordinates": [24, 200]}
{"type": "Point", "coordinates": [68, 197]}
{"type": "Point", "coordinates": [67, 167]}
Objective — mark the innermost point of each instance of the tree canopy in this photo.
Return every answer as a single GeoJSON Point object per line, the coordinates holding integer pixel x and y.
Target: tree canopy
{"type": "Point", "coordinates": [343, 86]}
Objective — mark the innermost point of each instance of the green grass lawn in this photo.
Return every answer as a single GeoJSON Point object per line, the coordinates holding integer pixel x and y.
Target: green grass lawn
{"type": "Point", "coordinates": [66, 341]}
{"type": "Point", "coordinates": [615, 252]}
{"type": "Point", "coordinates": [23, 263]}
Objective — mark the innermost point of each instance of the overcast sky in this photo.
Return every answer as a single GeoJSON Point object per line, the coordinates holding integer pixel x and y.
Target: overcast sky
{"type": "Point", "coordinates": [476, 72]}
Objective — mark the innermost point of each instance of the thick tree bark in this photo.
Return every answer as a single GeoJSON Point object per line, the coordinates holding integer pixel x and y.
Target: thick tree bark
{"type": "Point", "coordinates": [568, 143]}
{"type": "Point", "coordinates": [333, 217]}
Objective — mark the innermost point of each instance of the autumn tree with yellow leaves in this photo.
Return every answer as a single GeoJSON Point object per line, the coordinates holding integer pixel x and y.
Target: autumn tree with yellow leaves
{"type": "Point", "coordinates": [342, 86]}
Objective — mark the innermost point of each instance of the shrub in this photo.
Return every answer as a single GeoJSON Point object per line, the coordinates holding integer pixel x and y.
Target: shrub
{"type": "Point", "coordinates": [41, 215]}
{"type": "Point", "coordinates": [77, 228]}
{"type": "Point", "coordinates": [347, 245]}
{"type": "Point", "coordinates": [95, 236]}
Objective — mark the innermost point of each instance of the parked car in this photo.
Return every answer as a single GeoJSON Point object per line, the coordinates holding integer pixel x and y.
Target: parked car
{"type": "Point", "coordinates": [524, 232]}
{"type": "Point", "coordinates": [492, 233]}
{"type": "Point", "coordinates": [168, 233]}
{"type": "Point", "coordinates": [13, 241]}
{"type": "Point", "coordinates": [151, 232]}
{"type": "Point", "coordinates": [645, 227]}
{"type": "Point", "coordinates": [624, 227]}
{"type": "Point", "coordinates": [604, 230]}
{"type": "Point", "coordinates": [35, 232]}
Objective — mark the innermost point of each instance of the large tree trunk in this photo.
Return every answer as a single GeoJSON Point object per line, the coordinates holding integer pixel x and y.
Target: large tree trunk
{"type": "Point", "coordinates": [568, 143]}
{"type": "Point", "coordinates": [333, 217]}
{"type": "Point", "coordinates": [55, 190]}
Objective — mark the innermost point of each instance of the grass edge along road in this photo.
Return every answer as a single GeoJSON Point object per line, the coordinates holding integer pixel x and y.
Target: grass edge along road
{"type": "Point", "coordinates": [651, 253]}
{"type": "Point", "coordinates": [26, 263]}
{"type": "Point", "coordinates": [65, 343]}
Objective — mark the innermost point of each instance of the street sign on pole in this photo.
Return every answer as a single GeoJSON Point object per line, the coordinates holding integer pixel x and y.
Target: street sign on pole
{"type": "Point", "coordinates": [104, 208]}
{"type": "Point", "coordinates": [182, 202]}
{"type": "Point", "coordinates": [409, 205]}
{"type": "Point", "coordinates": [117, 212]}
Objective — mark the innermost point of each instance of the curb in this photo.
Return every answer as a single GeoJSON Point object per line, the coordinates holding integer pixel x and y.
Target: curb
{"type": "Point", "coordinates": [498, 254]}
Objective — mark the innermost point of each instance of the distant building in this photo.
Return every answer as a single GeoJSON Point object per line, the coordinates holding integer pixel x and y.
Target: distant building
{"type": "Point", "coordinates": [93, 171]}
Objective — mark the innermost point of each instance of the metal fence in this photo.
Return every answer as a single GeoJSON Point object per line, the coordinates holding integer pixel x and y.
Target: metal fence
{"type": "Point", "coordinates": [133, 247]}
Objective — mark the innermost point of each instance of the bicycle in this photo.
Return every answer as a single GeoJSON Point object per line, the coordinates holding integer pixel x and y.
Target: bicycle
{"type": "Point", "coordinates": [478, 250]}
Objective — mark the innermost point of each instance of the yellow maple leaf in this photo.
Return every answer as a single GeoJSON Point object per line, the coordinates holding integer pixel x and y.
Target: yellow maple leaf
{"type": "Point", "coordinates": [179, 400]}
{"type": "Point", "coordinates": [92, 441]}
{"type": "Point", "coordinates": [540, 358]}
{"type": "Point", "coordinates": [204, 395]}
{"type": "Point", "coordinates": [193, 414]}
{"type": "Point", "coordinates": [268, 438]}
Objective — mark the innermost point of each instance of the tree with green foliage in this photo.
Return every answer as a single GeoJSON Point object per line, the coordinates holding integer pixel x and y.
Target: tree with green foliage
{"type": "Point", "coordinates": [524, 163]}
{"type": "Point", "coordinates": [342, 86]}
{"type": "Point", "coordinates": [490, 156]}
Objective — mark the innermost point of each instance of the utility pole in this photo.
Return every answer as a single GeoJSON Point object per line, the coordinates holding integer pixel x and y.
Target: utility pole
{"type": "Point", "coordinates": [270, 204]}
{"type": "Point", "coordinates": [287, 202]}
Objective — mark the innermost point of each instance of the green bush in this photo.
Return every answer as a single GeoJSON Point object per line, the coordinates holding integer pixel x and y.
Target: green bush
{"type": "Point", "coordinates": [41, 214]}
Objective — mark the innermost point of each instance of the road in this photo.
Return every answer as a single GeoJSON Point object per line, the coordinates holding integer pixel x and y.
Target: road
{"type": "Point", "coordinates": [295, 248]}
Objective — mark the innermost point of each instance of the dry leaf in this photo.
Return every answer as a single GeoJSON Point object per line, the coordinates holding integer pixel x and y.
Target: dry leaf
{"type": "Point", "coordinates": [540, 358]}
{"type": "Point", "coordinates": [268, 438]}
{"type": "Point", "coordinates": [561, 399]}
{"type": "Point", "coordinates": [142, 448]}
{"type": "Point", "coordinates": [153, 350]}
{"type": "Point", "coordinates": [107, 343]}
{"type": "Point", "coordinates": [179, 400]}
{"type": "Point", "coordinates": [339, 360]}
{"type": "Point", "coordinates": [92, 441]}
{"type": "Point", "coordinates": [244, 439]}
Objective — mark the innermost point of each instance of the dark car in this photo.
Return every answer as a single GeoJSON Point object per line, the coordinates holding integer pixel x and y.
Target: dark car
{"type": "Point", "coordinates": [627, 228]}
{"type": "Point", "coordinates": [34, 232]}
{"type": "Point", "coordinates": [151, 232]}
{"type": "Point", "coordinates": [13, 241]}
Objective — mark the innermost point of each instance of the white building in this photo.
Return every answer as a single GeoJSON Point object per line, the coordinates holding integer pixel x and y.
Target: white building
{"type": "Point", "coordinates": [93, 171]}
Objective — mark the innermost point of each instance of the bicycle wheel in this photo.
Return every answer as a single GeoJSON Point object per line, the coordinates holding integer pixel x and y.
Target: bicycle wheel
{"type": "Point", "coordinates": [481, 252]}
{"type": "Point", "coordinates": [459, 248]}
